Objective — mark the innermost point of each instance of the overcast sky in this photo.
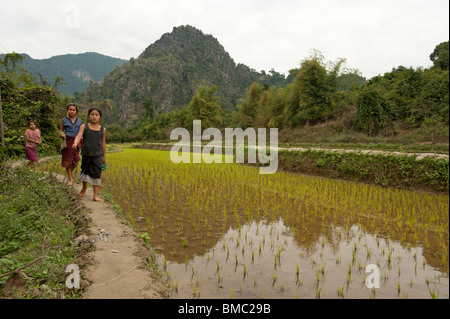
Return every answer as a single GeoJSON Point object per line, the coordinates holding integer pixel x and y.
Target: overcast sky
{"type": "Point", "coordinates": [373, 35]}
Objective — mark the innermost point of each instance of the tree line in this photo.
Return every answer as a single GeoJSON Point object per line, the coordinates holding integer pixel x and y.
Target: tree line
{"type": "Point", "coordinates": [318, 92]}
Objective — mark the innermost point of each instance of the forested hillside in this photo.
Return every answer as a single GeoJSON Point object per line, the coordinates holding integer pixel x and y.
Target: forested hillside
{"type": "Point", "coordinates": [320, 102]}
{"type": "Point", "coordinates": [188, 75]}
{"type": "Point", "coordinates": [169, 72]}
{"type": "Point", "coordinates": [75, 70]}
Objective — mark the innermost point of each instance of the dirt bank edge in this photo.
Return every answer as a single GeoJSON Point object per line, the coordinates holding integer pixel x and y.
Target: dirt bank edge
{"type": "Point", "coordinates": [118, 264]}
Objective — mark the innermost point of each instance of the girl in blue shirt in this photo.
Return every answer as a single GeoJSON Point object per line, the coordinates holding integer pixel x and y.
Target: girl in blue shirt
{"type": "Point", "coordinates": [70, 127]}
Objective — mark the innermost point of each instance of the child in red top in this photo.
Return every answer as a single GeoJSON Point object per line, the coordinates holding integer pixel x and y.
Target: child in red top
{"type": "Point", "coordinates": [33, 139]}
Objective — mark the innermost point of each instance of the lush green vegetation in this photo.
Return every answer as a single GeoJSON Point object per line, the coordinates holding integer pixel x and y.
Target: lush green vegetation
{"type": "Point", "coordinates": [404, 106]}
{"type": "Point", "coordinates": [23, 99]}
{"type": "Point", "coordinates": [395, 171]}
{"type": "Point", "coordinates": [77, 70]}
{"type": "Point", "coordinates": [39, 219]}
{"type": "Point", "coordinates": [318, 103]}
{"type": "Point", "coordinates": [187, 75]}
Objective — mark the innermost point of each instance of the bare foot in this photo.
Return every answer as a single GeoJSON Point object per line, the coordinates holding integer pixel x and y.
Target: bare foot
{"type": "Point", "coordinates": [69, 183]}
{"type": "Point", "coordinates": [81, 194]}
{"type": "Point", "coordinates": [97, 199]}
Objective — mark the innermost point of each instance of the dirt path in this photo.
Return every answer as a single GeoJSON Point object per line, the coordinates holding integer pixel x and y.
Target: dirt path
{"type": "Point", "coordinates": [116, 267]}
{"type": "Point", "coordinates": [419, 155]}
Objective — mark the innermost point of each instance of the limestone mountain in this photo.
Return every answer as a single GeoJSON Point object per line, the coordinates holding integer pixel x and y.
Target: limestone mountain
{"type": "Point", "coordinates": [77, 70]}
{"type": "Point", "coordinates": [170, 71]}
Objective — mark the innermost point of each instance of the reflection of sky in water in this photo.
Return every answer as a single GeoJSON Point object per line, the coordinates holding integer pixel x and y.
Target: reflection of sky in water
{"type": "Point", "coordinates": [204, 204]}
{"type": "Point", "coordinates": [261, 261]}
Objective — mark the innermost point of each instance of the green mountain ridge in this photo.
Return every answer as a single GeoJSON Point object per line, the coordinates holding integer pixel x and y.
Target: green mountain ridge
{"type": "Point", "coordinates": [77, 70]}
{"type": "Point", "coordinates": [169, 72]}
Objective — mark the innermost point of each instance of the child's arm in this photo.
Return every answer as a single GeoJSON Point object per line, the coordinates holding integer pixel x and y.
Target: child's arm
{"type": "Point", "coordinates": [104, 145]}
{"type": "Point", "coordinates": [27, 136]}
{"type": "Point", "coordinates": [38, 141]}
{"type": "Point", "coordinates": [61, 128]}
{"type": "Point", "coordinates": [79, 136]}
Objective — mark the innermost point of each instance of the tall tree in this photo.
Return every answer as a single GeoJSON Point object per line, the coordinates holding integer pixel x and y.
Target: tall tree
{"type": "Point", "coordinates": [149, 109]}
{"type": "Point", "coordinates": [249, 108]}
{"type": "Point", "coordinates": [204, 107]}
{"type": "Point", "coordinates": [8, 63]}
{"type": "Point", "coordinates": [373, 111]}
{"type": "Point", "coordinates": [440, 57]}
{"type": "Point", "coordinates": [314, 92]}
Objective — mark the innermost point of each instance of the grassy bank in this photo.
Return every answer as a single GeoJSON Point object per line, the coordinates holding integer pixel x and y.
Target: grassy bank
{"type": "Point", "coordinates": [38, 222]}
{"type": "Point", "coordinates": [385, 170]}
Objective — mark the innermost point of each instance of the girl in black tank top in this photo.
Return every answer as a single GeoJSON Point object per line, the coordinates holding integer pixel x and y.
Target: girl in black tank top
{"type": "Point", "coordinates": [93, 152]}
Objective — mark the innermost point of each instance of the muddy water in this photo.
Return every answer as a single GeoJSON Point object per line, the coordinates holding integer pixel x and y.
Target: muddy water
{"type": "Point", "coordinates": [263, 260]}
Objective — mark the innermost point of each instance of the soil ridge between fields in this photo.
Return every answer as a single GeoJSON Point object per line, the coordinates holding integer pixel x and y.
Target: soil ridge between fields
{"type": "Point", "coordinates": [117, 266]}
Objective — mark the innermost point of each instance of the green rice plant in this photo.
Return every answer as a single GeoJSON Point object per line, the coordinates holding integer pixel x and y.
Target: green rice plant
{"type": "Point", "coordinates": [341, 292]}
{"type": "Point", "coordinates": [274, 278]}
{"type": "Point", "coordinates": [318, 291]}
{"type": "Point", "coordinates": [165, 262]}
{"type": "Point", "coordinates": [434, 294]}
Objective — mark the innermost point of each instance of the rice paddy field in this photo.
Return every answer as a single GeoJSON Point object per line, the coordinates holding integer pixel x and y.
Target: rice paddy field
{"type": "Point", "coordinates": [226, 231]}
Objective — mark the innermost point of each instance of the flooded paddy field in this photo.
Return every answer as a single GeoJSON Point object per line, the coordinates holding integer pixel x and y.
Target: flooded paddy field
{"type": "Point", "coordinates": [226, 231]}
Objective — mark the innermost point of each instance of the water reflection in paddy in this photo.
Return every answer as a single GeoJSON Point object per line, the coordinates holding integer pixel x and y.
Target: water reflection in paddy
{"type": "Point", "coordinates": [263, 260]}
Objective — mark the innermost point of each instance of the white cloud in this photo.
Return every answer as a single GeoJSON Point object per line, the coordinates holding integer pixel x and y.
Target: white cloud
{"type": "Point", "coordinates": [374, 35]}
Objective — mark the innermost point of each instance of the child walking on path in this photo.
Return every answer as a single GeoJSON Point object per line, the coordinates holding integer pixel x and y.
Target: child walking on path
{"type": "Point", "coordinates": [33, 139]}
{"type": "Point", "coordinates": [70, 126]}
{"type": "Point", "coordinates": [93, 152]}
